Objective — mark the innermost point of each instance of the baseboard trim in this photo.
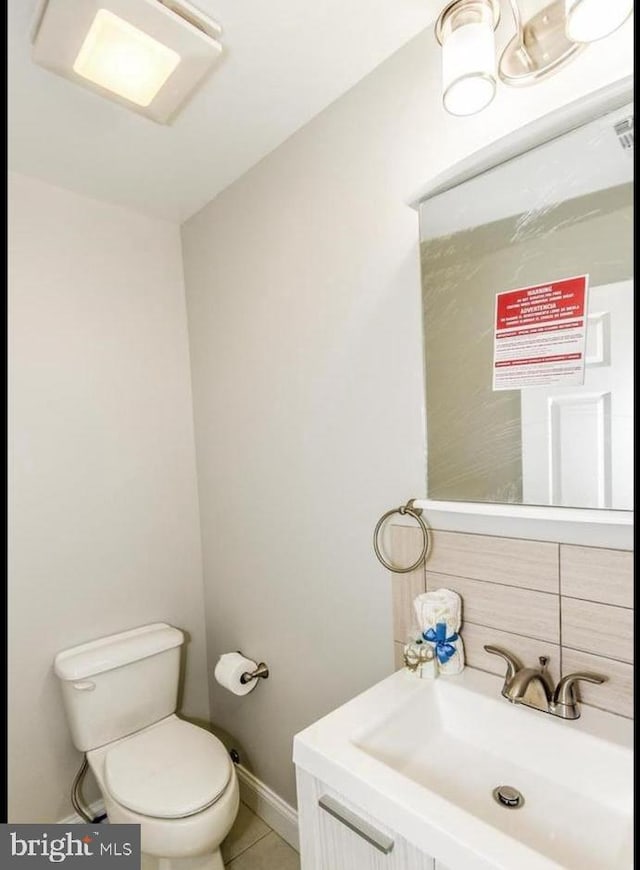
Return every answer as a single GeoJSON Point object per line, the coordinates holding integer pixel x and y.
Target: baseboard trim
{"type": "Point", "coordinates": [271, 808]}
{"type": "Point", "coordinates": [95, 809]}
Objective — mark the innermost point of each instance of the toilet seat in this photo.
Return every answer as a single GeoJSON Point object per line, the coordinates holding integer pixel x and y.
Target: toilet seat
{"type": "Point", "coordinates": [168, 771]}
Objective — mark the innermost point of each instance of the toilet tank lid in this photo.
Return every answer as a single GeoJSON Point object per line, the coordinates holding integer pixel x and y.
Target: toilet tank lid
{"type": "Point", "coordinates": [116, 650]}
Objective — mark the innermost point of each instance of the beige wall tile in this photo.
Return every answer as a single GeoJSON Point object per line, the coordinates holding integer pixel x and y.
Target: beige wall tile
{"type": "Point", "coordinates": [616, 695]}
{"type": "Point", "coordinates": [526, 649]}
{"type": "Point", "coordinates": [405, 587]}
{"type": "Point", "coordinates": [519, 611]}
{"type": "Point", "coordinates": [398, 655]}
{"type": "Point", "coordinates": [405, 547]}
{"type": "Point", "coordinates": [513, 561]}
{"type": "Point", "coordinates": [507, 588]}
{"type": "Point", "coordinates": [596, 574]}
{"type": "Point", "coordinates": [597, 628]}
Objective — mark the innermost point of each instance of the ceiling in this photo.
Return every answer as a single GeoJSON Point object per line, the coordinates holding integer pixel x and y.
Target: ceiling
{"type": "Point", "coordinates": [284, 61]}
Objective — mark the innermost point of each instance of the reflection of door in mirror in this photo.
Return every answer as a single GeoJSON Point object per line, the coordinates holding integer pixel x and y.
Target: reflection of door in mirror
{"type": "Point", "coordinates": [562, 209]}
{"type": "Point", "coordinates": [577, 443]}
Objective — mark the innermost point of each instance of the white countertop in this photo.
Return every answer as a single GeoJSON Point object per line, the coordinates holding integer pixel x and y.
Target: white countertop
{"type": "Point", "coordinates": [378, 751]}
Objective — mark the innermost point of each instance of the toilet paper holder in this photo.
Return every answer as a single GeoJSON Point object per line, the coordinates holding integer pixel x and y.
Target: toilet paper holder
{"type": "Point", "coordinates": [262, 671]}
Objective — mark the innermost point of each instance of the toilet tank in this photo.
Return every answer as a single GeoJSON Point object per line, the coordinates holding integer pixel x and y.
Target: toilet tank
{"type": "Point", "coordinates": [116, 685]}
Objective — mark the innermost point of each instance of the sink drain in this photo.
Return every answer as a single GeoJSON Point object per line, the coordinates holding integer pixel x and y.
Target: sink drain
{"type": "Point", "coordinates": [508, 796]}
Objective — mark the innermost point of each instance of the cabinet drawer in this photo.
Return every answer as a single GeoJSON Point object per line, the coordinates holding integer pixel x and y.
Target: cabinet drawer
{"type": "Point", "coordinates": [336, 835]}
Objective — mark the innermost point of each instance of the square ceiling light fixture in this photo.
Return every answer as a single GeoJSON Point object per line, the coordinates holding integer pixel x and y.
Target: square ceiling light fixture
{"type": "Point", "coordinates": [148, 55]}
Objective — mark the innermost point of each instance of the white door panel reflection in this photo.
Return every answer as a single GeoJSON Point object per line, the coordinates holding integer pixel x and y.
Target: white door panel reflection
{"type": "Point", "coordinates": [577, 442]}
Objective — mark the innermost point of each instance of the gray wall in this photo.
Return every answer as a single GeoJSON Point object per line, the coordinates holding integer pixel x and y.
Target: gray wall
{"type": "Point", "coordinates": [474, 434]}
{"type": "Point", "coordinates": [103, 534]}
{"type": "Point", "coordinates": [303, 293]}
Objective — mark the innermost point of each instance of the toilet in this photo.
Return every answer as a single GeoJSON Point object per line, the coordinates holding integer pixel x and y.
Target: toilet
{"type": "Point", "coordinates": [172, 778]}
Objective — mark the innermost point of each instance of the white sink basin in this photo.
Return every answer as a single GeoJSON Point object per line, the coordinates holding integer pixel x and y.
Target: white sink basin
{"type": "Point", "coordinates": [425, 755]}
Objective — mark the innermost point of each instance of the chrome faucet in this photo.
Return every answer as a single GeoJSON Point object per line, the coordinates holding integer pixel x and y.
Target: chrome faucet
{"type": "Point", "coordinates": [533, 687]}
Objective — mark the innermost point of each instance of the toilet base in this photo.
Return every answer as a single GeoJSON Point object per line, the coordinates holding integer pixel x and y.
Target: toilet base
{"type": "Point", "coordinates": [212, 861]}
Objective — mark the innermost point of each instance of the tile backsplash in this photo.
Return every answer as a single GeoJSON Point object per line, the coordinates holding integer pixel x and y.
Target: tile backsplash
{"type": "Point", "coordinates": [571, 603]}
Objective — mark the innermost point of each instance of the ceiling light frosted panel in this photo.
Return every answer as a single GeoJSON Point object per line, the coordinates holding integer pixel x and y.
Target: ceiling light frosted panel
{"type": "Point", "coordinates": [119, 57]}
{"type": "Point", "coordinates": [150, 56]}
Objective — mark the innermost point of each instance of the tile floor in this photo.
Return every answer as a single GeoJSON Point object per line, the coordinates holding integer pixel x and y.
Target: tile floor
{"type": "Point", "coordinates": [252, 845]}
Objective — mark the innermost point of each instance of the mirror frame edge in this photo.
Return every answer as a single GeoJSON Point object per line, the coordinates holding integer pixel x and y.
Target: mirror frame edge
{"type": "Point", "coordinates": [534, 134]}
{"type": "Point", "coordinates": [591, 527]}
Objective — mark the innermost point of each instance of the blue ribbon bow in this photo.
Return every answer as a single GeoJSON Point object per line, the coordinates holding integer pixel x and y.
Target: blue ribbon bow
{"type": "Point", "coordinates": [443, 645]}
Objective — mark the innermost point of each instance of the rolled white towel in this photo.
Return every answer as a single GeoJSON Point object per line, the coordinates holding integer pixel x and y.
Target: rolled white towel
{"type": "Point", "coordinates": [436, 606]}
{"type": "Point", "coordinates": [439, 615]}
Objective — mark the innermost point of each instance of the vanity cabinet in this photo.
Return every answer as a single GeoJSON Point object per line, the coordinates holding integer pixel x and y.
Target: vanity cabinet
{"type": "Point", "coordinates": [337, 835]}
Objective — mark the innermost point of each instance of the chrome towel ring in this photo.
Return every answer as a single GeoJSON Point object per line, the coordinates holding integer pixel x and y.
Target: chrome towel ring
{"type": "Point", "coordinates": [416, 513]}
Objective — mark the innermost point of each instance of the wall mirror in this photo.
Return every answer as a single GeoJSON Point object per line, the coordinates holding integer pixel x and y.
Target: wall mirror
{"type": "Point", "coordinates": [527, 305]}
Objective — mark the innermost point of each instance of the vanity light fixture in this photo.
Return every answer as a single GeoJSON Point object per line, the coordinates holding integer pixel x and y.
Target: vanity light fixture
{"type": "Point", "coordinates": [465, 29]}
{"type": "Point", "coordinates": [588, 20]}
{"type": "Point", "coordinates": [149, 55]}
{"type": "Point", "coordinates": [542, 44]}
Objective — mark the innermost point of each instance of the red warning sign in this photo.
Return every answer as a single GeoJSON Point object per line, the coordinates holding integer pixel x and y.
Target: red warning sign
{"type": "Point", "coordinates": [540, 335]}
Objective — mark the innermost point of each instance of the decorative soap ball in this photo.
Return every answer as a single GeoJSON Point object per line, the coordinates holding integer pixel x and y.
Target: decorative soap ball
{"type": "Point", "coordinates": [419, 658]}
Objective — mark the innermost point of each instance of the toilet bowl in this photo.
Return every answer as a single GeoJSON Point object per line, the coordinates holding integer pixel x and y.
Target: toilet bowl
{"type": "Point", "coordinates": [177, 782]}
{"type": "Point", "coordinates": [154, 769]}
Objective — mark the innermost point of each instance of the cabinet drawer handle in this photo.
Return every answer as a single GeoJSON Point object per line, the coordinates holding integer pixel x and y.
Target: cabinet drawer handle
{"type": "Point", "coordinates": [356, 824]}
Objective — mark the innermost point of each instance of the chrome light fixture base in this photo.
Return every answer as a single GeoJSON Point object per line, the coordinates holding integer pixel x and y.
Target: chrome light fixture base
{"type": "Point", "coordinates": [539, 48]}
{"type": "Point", "coordinates": [460, 6]}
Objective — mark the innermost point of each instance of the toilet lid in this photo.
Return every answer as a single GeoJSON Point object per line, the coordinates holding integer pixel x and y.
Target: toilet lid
{"type": "Point", "coordinates": [168, 771]}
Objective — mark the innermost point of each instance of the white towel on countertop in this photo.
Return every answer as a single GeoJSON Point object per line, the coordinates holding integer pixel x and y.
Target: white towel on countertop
{"type": "Point", "coordinates": [442, 607]}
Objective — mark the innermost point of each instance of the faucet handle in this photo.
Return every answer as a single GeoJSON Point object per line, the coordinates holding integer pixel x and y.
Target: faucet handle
{"type": "Point", "coordinates": [564, 692]}
{"type": "Point", "coordinates": [513, 662]}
